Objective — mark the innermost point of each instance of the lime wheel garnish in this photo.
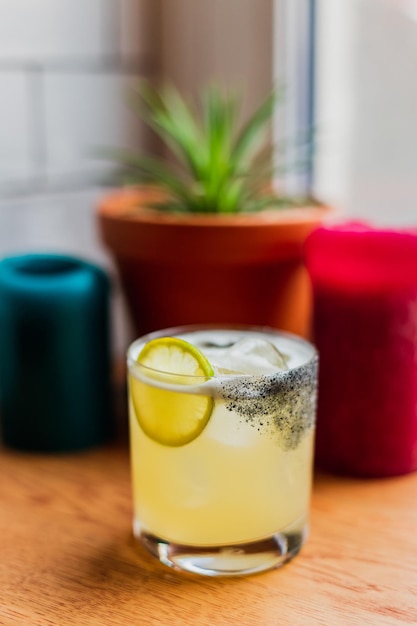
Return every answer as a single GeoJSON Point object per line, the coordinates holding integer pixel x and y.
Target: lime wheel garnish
{"type": "Point", "coordinates": [169, 417]}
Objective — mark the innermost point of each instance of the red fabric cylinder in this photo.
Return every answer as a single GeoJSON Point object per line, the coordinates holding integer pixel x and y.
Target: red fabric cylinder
{"type": "Point", "coordinates": [365, 328]}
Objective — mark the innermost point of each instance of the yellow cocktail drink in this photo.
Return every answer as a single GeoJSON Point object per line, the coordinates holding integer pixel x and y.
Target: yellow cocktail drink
{"type": "Point", "coordinates": [228, 493]}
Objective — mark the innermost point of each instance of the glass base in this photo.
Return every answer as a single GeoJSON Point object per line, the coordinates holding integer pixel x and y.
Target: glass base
{"type": "Point", "coordinates": [233, 560]}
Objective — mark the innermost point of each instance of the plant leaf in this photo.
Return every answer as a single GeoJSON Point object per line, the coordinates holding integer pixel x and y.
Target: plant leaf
{"type": "Point", "coordinates": [215, 165]}
{"type": "Point", "coordinates": [176, 124]}
{"type": "Point", "coordinates": [249, 139]}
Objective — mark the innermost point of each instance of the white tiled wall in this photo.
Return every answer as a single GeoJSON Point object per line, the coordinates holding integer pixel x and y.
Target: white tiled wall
{"type": "Point", "coordinates": [65, 70]}
{"type": "Point", "coordinates": [85, 113]}
{"type": "Point", "coordinates": [15, 133]}
{"type": "Point", "coordinates": [50, 29]}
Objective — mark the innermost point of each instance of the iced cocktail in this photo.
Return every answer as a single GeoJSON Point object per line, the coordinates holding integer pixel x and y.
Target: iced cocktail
{"type": "Point", "coordinates": [222, 432]}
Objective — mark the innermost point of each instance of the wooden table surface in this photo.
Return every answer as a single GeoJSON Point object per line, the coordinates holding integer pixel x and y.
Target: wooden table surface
{"type": "Point", "coordinates": [67, 556]}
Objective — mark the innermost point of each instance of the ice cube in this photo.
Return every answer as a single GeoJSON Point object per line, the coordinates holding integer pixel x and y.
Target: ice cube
{"type": "Point", "coordinates": [251, 355]}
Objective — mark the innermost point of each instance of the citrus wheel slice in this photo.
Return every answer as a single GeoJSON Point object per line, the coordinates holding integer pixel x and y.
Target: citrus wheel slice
{"type": "Point", "coordinates": [171, 418]}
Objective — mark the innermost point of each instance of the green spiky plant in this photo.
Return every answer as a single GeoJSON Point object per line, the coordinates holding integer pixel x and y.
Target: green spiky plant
{"type": "Point", "coordinates": [217, 165]}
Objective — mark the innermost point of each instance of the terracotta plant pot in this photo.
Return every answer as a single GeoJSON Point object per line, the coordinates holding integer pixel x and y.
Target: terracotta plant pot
{"type": "Point", "coordinates": [183, 269]}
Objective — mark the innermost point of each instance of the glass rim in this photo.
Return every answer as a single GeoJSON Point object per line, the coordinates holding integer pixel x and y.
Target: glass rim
{"type": "Point", "coordinates": [176, 331]}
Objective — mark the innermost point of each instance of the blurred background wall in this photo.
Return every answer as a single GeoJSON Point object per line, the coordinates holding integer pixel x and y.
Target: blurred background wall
{"type": "Point", "coordinates": [366, 108]}
{"type": "Point", "coordinates": [66, 68]}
